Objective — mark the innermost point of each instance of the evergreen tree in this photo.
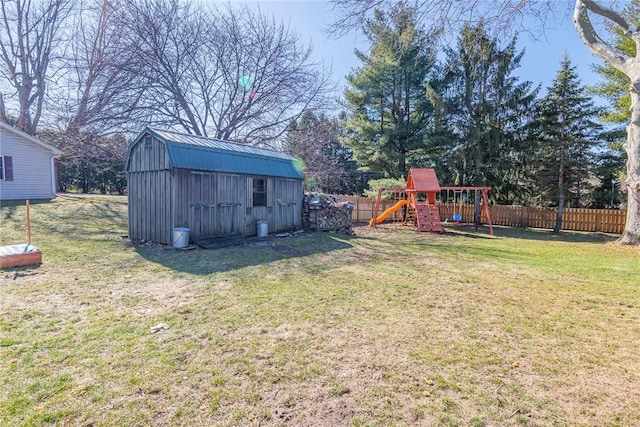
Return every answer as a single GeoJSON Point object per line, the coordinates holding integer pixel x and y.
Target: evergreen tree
{"type": "Point", "coordinates": [388, 113]}
{"type": "Point", "coordinates": [329, 165]}
{"type": "Point", "coordinates": [606, 194]}
{"type": "Point", "coordinates": [567, 134]}
{"type": "Point", "coordinates": [90, 162]}
{"type": "Point", "coordinates": [490, 113]}
{"type": "Point", "coordinates": [615, 87]}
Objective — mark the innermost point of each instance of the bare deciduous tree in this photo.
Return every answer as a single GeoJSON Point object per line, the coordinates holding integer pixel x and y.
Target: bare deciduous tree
{"type": "Point", "coordinates": [630, 66]}
{"type": "Point", "coordinates": [99, 93]}
{"type": "Point", "coordinates": [500, 16]}
{"type": "Point", "coordinates": [30, 32]}
{"type": "Point", "coordinates": [95, 95]}
{"type": "Point", "coordinates": [167, 39]}
{"type": "Point", "coordinates": [227, 73]}
{"type": "Point", "coordinates": [270, 77]}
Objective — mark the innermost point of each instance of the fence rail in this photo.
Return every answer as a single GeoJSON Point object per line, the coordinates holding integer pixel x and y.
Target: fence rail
{"type": "Point", "coordinates": [576, 219]}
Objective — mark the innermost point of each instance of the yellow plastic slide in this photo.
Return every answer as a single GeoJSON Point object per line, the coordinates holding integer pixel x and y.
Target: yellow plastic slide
{"type": "Point", "coordinates": [388, 212]}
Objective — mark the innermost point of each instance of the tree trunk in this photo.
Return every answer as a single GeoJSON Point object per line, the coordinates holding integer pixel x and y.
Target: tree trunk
{"type": "Point", "coordinates": [3, 111]}
{"type": "Point", "coordinates": [402, 161]}
{"type": "Point", "coordinates": [558, 226]}
{"type": "Point", "coordinates": [631, 233]}
{"type": "Point", "coordinates": [560, 213]}
{"type": "Point", "coordinates": [631, 67]}
{"type": "Point", "coordinates": [478, 182]}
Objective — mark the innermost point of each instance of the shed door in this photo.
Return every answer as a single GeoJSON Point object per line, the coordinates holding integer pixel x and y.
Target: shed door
{"type": "Point", "coordinates": [229, 205]}
{"type": "Point", "coordinates": [202, 202]}
{"type": "Point", "coordinates": [287, 204]}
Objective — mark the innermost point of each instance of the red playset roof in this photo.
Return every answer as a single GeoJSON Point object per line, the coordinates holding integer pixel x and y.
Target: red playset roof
{"type": "Point", "coordinates": [423, 180]}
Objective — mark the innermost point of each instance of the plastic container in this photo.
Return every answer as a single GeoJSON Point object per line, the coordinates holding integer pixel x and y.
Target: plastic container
{"type": "Point", "coordinates": [263, 228]}
{"type": "Point", "coordinates": [181, 237]}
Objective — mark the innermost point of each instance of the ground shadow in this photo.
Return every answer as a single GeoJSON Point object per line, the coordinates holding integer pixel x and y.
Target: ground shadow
{"type": "Point", "coordinates": [466, 230]}
{"type": "Point", "coordinates": [538, 234]}
{"type": "Point", "coordinates": [200, 261]}
{"type": "Point", "coordinates": [450, 230]}
{"type": "Point", "coordinates": [9, 207]}
{"type": "Point", "coordinates": [81, 216]}
{"type": "Point", "coordinates": [469, 232]}
{"type": "Point", "coordinates": [542, 234]}
{"type": "Point", "coordinates": [12, 273]}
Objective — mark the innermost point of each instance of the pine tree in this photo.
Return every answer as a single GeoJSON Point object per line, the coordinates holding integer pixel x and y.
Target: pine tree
{"type": "Point", "coordinates": [388, 111]}
{"type": "Point", "coordinates": [567, 134]}
{"type": "Point", "coordinates": [489, 112]}
{"type": "Point", "coordinates": [615, 87]}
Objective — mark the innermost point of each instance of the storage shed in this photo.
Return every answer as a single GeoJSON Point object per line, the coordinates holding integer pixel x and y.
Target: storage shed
{"type": "Point", "coordinates": [215, 188]}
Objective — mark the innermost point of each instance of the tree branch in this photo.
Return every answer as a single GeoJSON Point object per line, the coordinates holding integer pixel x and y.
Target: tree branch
{"type": "Point", "coordinates": [592, 40]}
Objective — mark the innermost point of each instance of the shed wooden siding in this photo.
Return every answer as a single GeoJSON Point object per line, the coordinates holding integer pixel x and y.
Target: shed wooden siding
{"type": "Point", "coordinates": [210, 204]}
{"type": "Point", "coordinates": [150, 205]}
{"type": "Point", "coordinates": [149, 158]}
{"type": "Point", "coordinates": [283, 211]}
{"type": "Point", "coordinates": [150, 193]}
{"type": "Point", "coordinates": [33, 174]}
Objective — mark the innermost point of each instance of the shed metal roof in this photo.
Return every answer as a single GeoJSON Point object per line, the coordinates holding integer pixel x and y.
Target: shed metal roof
{"type": "Point", "coordinates": [208, 154]}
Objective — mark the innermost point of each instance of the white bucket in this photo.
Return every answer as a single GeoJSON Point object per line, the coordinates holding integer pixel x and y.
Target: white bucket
{"type": "Point", "coordinates": [180, 237]}
{"type": "Point", "coordinates": [263, 228]}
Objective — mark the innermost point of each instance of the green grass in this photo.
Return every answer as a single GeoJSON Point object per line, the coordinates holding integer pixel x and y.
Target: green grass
{"type": "Point", "coordinates": [388, 327]}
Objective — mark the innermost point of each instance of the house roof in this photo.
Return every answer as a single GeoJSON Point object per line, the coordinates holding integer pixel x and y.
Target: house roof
{"type": "Point", "coordinates": [423, 180]}
{"type": "Point", "coordinates": [208, 154]}
{"type": "Point", "coordinates": [4, 127]}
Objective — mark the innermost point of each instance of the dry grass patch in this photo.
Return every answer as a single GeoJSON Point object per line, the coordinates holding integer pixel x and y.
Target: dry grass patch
{"type": "Point", "coordinates": [389, 327]}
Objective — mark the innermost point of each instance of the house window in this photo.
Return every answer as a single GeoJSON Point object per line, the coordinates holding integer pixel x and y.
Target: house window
{"type": "Point", "coordinates": [148, 142]}
{"type": "Point", "coordinates": [259, 192]}
{"type": "Point", "coordinates": [6, 168]}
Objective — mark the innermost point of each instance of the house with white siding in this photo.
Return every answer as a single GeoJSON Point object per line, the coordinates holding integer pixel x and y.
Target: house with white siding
{"type": "Point", "coordinates": [27, 166]}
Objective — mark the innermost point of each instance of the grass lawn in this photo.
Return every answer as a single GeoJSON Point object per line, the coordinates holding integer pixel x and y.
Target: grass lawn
{"type": "Point", "coordinates": [387, 327]}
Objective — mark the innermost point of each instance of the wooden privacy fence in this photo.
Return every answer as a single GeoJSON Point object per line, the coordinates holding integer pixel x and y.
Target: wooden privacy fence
{"type": "Point", "coordinates": [363, 209]}
{"type": "Point", "coordinates": [576, 219]}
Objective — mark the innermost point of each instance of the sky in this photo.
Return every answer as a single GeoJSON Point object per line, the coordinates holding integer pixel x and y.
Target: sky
{"type": "Point", "coordinates": [539, 65]}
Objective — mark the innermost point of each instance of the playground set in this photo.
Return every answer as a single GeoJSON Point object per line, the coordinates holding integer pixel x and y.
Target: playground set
{"type": "Point", "coordinates": [421, 198]}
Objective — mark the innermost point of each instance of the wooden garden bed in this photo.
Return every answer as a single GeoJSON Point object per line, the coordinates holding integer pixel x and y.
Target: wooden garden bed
{"type": "Point", "coordinates": [19, 255]}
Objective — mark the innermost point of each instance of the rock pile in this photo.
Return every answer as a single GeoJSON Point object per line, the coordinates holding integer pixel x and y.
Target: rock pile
{"type": "Point", "coordinates": [326, 213]}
